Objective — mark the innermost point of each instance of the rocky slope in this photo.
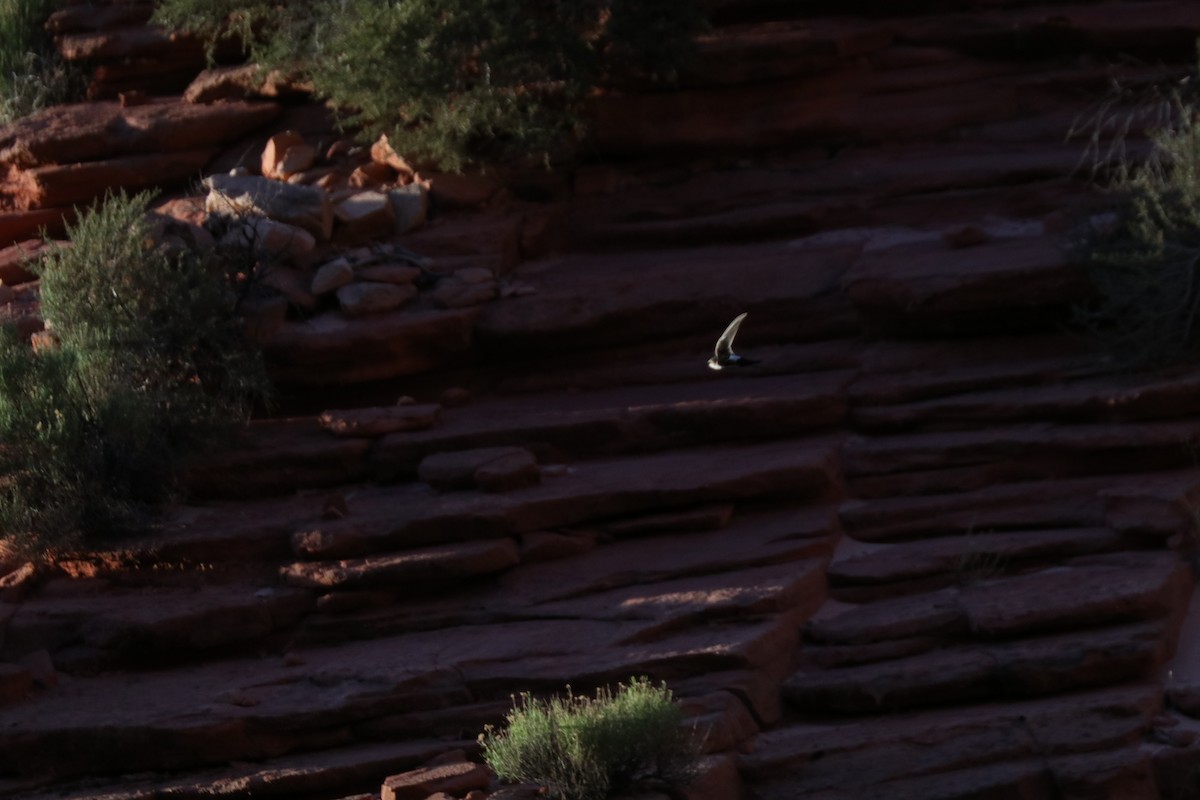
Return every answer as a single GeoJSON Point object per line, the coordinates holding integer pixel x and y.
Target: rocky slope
{"type": "Point", "coordinates": [932, 547]}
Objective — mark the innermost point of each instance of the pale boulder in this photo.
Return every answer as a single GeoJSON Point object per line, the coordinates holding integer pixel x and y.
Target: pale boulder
{"type": "Point", "coordinates": [411, 206]}
{"type": "Point", "coordinates": [453, 292]}
{"type": "Point", "coordinates": [306, 207]}
{"type": "Point", "coordinates": [367, 297]}
{"type": "Point", "coordinates": [268, 237]}
{"type": "Point", "coordinates": [332, 276]}
{"type": "Point", "coordinates": [364, 216]}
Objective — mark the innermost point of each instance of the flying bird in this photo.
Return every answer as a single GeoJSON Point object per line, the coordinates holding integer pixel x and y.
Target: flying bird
{"type": "Point", "coordinates": [724, 355]}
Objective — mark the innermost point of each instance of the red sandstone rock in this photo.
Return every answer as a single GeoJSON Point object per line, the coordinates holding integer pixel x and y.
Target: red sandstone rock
{"type": "Point", "coordinates": [81, 17]}
{"type": "Point", "coordinates": [20, 226]}
{"type": "Point", "coordinates": [364, 216]}
{"type": "Point", "coordinates": [330, 349]}
{"type": "Point", "coordinates": [165, 73]}
{"type": "Point", "coordinates": [973, 673]}
{"type": "Point", "coordinates": [15, 261]}
{"type": "Point", "coordinates": [516, 470]}
{"type": "Point", "coordinates": [449, 190]}
{"type": "Point", "coordinates": [242, 83]}
{"type": "Point", "coordinates": [491, 240]}
{"type": "Point", "coordinates": [366, 298]}
{"type": "Point", "coordinates": [105, 130]}
{"type": "Point", "coordinates": [1101, 399]}
{"type": "Point", "coordinates": [927, 287]}
{"type": "Point", "coordinates": [841, 106]}
{"type": "Point", "coordinates": [62, 185]}
{"type": "Point", "coordinates": [452, 292]}
{"type": "Point", "coordinates": [372, 176]}
{"type": "Point", "coordinates": [16, 585]}
{"type": "Point", "coordinates": [705, 518]}
{"type": "Point", "coordinates": [678, 603]}
{"type": "Point", "coordinates": [899, 568]}
{"type": "Point", "coordinates": [380, 420]}
{"type": "Point", "coordinates": [382, 153]}
{"type": "Point", "coordinates": [429, 568]}
{"type": "Point", "coordinates": [717, 778]}
{"type": "Point", "coordinates": [454, 779]}
{"type": "Point", "coordinates": [853, 755]}
{"type": "Point", "coordinates": [1073, 502]}
{"type": "Point", "coordinates": [1156, 508]}
{"type": "Point", "coordinates": [774, 50]}
{"type": "Point", "coordinates": [15, 683]}
{"type": "Point", "coordinates": [589, 299]}
{"type": "Point", "coordinates": [129, 42]}
{"type": "Point", "coordinates": [1123, 590]}
{"type": "Point", "coordinates": [177, 622]}
{"type": "Point", "coordinates": [280, 456]}
{"type": "Point", "coordinates": [538, 546]}
{"type": "Point", "coordinates": [457, 470]}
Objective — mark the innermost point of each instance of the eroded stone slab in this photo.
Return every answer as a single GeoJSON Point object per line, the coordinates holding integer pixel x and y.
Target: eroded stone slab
{"type": "Point", "coordinates": [430, 568]}
{"type": "Point", "coordinates": [380, 420]}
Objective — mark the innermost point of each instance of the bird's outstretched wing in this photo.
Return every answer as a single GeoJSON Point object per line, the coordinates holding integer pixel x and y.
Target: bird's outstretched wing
{"type": "Point", "coordinates": [725, 344]}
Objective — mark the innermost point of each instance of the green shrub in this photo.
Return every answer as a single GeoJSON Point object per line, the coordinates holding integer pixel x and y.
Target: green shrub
{"type": "Point", "coordinates": [32, 76]}
{"type": "Point", "coordinates": [582, 748]}
{"type": "Point", "coordinates": [1143, 255]}
{"type": "Point", "coordinates": [151, 364]}
{"type": "Point", "coordinates": [455, 81]}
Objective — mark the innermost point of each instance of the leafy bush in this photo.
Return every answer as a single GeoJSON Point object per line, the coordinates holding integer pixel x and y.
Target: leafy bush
{"type": "Point", "coordinates": [581, 748]}
{"type": "Point", "coordinates": [150, 364]}
{"type": "Point", "coordinates": [1143, 255]}
{"type": "Point", "coordinates": [454, 81]}
{"type": "Point", "coordinates": [32, 76]}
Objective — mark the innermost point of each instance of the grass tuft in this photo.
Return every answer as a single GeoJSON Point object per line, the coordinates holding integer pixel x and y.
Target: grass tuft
{"type": "Point", "coordinates": [590, 748]}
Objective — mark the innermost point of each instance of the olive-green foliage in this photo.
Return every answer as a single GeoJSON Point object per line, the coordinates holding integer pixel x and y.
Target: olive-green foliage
{"type": "Point", "coordinates": [1143, 255]}
{"type": "Point", "coordinates": [589, 748]}
{"type": "Point", "coordinates": [151, 365]}
{"type": "Point", "coordinates": [456, 81]}
{"type": "Point", "coordinates": [32, 76]}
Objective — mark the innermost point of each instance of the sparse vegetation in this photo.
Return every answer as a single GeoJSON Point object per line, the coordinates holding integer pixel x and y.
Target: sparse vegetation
{"type": "Point", "coordinates": [590, 748]}
{"type": "Point", "coordinates": [32, 76]}
{"type": "Point", "coordinates": [1143, 254]}
{"type": "Point", "coordinates": [454, 81]}
{"type": "Point", "coordinates": [149, 364]}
